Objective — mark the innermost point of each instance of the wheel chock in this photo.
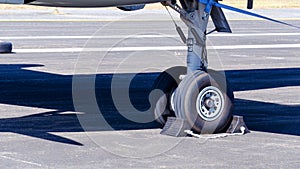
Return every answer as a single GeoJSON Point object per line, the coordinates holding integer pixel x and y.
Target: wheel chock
{"type": "Point", "coordinates": [237, 124]}
{"type": "Point", "coordinates": [5, 47]}
{"type": "Point", "coordinates": [175, 127]}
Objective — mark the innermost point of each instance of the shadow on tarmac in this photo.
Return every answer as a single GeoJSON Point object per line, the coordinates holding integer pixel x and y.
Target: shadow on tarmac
{"type": "Point", "coordinates": [52, 91]}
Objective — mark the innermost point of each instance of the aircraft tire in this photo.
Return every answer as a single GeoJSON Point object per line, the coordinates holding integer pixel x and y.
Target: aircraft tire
{"type": "Point", "coordinates": [166, 82]}
{"type": "Point", "coordinates": [205, 100]}
{"type": "Point", "coordinates": [5, 47]}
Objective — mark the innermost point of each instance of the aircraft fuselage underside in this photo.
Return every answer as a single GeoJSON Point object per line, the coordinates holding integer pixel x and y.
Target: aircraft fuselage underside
{"type": "Point", "coordinates": [80, 3]}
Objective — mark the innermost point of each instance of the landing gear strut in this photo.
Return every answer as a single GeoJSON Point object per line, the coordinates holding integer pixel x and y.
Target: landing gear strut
{"type": "Point", "coordinates": [203, 97]}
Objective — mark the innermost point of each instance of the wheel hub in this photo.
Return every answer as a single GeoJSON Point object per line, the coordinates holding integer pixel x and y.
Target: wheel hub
{"type": "Point", "coordinates": [210, 103]}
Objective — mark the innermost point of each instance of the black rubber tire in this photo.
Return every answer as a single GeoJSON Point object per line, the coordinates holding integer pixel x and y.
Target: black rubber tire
{"type": "Point", "coordinates": [185, 99]}
{"type": "Point", "coordinates": [5, 47]}
{"type": "Point", "coordinates": [167, 82]}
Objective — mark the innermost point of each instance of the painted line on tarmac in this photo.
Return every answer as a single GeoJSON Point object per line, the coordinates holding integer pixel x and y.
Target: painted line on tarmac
{"type": "Point", "coordinates": [141, 36]}
{"type": "Point", "coordinates": [18, 160]}
{"type": "Point", "coordinates": [254, 34]}
{"type": "Point", "coordinates": [155, 48]}
{"type": "Point", "coordinates": [271, 46]}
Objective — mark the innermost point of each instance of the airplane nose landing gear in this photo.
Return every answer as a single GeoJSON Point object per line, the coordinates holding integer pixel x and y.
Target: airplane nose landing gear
{"type": "Point", "coordinates": [203, 97]}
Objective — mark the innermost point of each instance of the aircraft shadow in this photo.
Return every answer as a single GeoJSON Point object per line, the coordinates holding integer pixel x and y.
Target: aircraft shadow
{"type": "Point", "coordinates": [52, 91]}
{"type": "Point", "coordinates": [263, 116]}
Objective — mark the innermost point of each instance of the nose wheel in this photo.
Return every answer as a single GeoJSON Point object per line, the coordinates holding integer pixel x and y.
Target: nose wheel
{"type": "Point", "coordinates": [205, 100]}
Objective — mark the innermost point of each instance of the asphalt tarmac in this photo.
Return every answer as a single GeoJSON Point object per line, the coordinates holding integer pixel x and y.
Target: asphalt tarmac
{"type": "Point", "coordinates": [70, 65]}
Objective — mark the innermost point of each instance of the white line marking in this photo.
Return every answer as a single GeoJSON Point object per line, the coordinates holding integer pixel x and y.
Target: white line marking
{"type": "Point", "coordinates": [275, 58]}
{"type": "Point", "coordinates": [272, 46]}
{"type": "Point", "coordinates": [116, 49]}
{"type": "Point", "coordinates": [254, 34]}
{"type": "Point", "coordinates": [22, 161]}
{"type": "Point", "coordinates": [141, 36]}
{"type": "Point", "coordinates": [154, 48]}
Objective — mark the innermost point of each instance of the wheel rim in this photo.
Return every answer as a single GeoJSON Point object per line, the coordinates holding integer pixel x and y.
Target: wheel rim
{"type": "Point", "coordinates": [210, 103]}
{"type": "Point", "coordinates": [160, 109]}
{"type": "Point", "coordinates": [172, 103]}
